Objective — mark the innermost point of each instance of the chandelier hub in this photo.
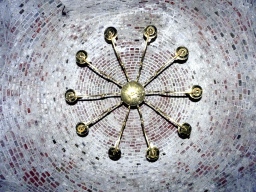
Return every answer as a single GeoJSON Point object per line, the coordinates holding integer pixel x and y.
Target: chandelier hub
{"type": "Point", "coordinates": [133, 93]}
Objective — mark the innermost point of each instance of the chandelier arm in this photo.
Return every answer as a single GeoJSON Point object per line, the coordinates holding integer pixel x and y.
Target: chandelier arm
{"type": "Point", "coordinates": [122, 130]}
{"type": "Point", "coordinates": [119, 59]}
{"type": "Point", "coordinates": [143, 127]}
{"type": "Point", "coordinates": [142, 57]}
{"type": "Point", "coordinates": [181, 53]}
{"type": "Point", "coordinates": [103, 114]}
{"type": "Point", "coordinates": [95, 69]}
{"type": "Point", "coordinates": [148, 93]}
{"type": "Point", "coordinates": [104, 95]}
{"type": "Point", "coordinates": [163, 114]}
{"type": "Point", "coordinates": [160, 70]}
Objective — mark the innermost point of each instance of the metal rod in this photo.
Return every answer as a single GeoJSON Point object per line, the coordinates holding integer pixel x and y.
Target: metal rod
{"type": "Point", "coordinates": [147, 93]}
{"type": "Point", "coordinates": [103, 114]}
{"type": "Point", "coordinates": [100, 95]}
{"type": "Point", "coordinates": [143, 127]}
{"type": "Point", "coordinates": [142, 58]}
{"type": "Point", "coordinates": [123, 127]}
{"type": "Point", "coordinates": [119, 59]}
{"type": "Point", "coordinates": [160, 70]}
{"type": "Point", "coordinates": [163, 114]}
{"type": "Point", "coordinates": [104, 74]}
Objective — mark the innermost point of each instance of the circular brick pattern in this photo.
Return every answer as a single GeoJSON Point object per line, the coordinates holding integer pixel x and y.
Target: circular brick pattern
{"type": "Point", "coordinates": [40, 150]}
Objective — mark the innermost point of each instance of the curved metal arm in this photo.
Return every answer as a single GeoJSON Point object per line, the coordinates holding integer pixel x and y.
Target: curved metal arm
{"type": "Point", "coordinates": [81, 57]}
{"type": "Point", "coordinates": [160, 70]}
{"type": "Point", "coordinates": [122, 130]}
{"type": "Point", "coordinates": [163, 114]}
{"type": "Point", "coordinates": [181, 53]}
{"type": "Point", "coordinates": [143, 127]}
{"type": "Point", "coordinates": [119, 59]}
{"type": "Point", "coordinates": [103, 114]}
{"type": "Point", "coordinates": [104, 74]}
{"type": "Point", "coordinates": [81, 97]}
{"type": "Point", "coordinates": [148, 93]}
{"type": "Point", "coordinates": [195, 93]}
{"type": "Point", "coordinates": [142, 58]}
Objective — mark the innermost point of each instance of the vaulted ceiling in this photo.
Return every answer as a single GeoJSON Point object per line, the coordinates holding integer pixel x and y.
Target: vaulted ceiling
{"type": "Point", "coordinates": [40, 150]}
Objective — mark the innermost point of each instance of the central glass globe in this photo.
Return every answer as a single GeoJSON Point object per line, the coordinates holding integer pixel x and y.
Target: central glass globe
{"type": "Point", "coordinates": [133, 93]}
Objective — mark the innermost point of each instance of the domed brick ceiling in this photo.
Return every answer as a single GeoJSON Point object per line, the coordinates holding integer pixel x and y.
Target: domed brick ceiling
{"type": "Point", "coordinates": [40, 150]}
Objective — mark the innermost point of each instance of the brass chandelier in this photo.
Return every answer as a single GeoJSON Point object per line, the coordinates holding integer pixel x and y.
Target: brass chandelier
{"type": "Point", "coordinates": [133, 93]}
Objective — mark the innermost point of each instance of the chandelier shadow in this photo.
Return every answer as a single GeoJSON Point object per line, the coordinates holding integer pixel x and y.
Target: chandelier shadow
{"type": "Point", "coordinates": [133, 93]}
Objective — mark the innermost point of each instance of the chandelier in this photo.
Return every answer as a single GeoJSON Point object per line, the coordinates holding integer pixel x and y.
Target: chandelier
{"type": "Point", "coordinates": [133, 93]}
